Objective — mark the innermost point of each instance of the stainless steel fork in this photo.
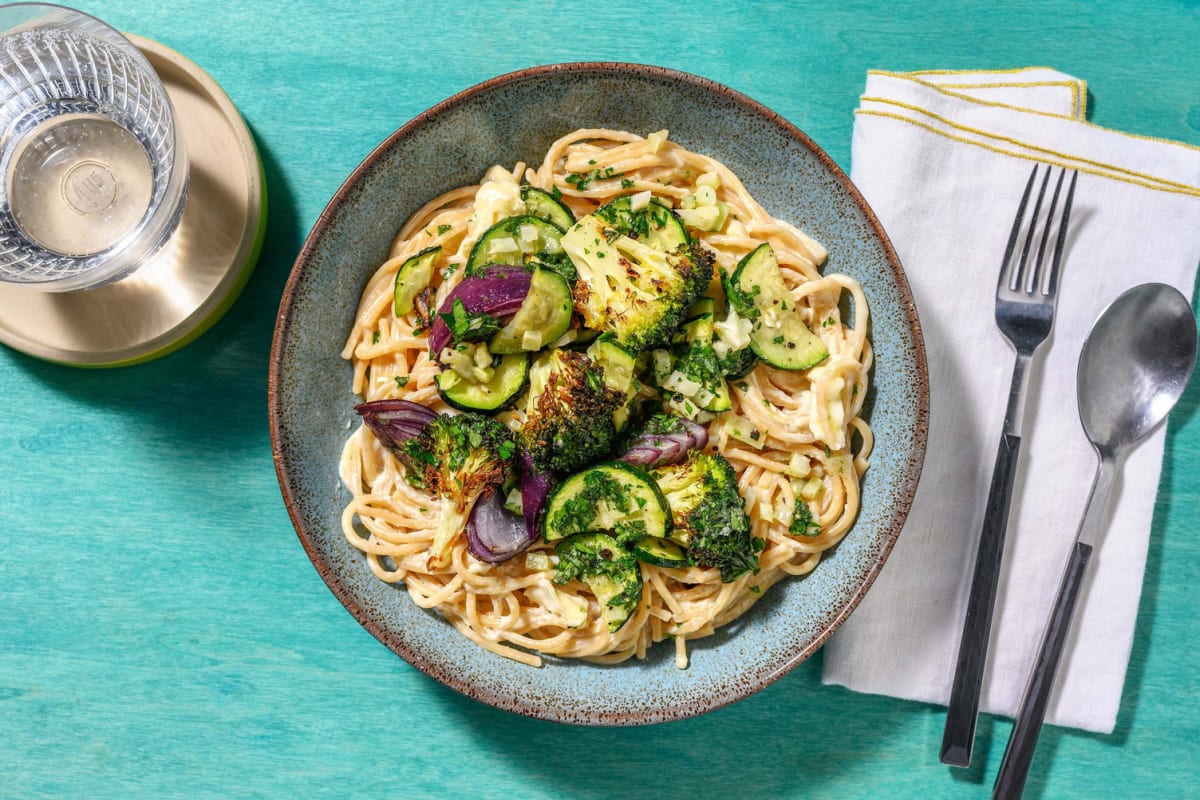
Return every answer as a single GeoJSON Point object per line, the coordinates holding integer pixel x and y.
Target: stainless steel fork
{"type": "Point", "coordinates": [1025, 300]}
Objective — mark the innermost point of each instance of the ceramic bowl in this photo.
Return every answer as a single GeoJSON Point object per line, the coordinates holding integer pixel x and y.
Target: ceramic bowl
{"type": "Point", "coordinates": [516, 117]}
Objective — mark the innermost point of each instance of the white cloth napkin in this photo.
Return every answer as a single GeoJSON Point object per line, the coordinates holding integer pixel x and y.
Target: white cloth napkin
{"type": "Point", "coordinates": [942, 158]}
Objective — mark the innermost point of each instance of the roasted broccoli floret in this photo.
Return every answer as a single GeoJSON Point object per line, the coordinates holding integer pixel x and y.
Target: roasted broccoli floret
{"type": "Point", "coordinates": [569, 412]}
{"type": "Point", "coordinates": [630, 288]}
{"type": "Point", "coordinates": [462, 458]}
{"type": "Point", "coordinates": [708, 513]}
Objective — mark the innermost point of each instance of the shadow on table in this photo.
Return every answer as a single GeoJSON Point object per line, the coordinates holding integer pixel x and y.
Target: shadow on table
{"type": "Point", "coordinates": [792, 737]}
{"type": "Point", "coordinates": [211, 394]}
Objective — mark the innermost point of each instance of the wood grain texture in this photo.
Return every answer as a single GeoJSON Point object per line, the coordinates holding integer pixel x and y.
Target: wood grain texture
{"type": "Point", "coordinates": [162, 633]}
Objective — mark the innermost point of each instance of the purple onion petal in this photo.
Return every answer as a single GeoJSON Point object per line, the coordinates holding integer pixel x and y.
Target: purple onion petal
{"type": "Point", "coordinates": [659, 449]}
{"type": "Point", "coordinates": [535, 488]}
{"type": "Point", "coordinates": [642, 456]}
{"type": "Point", "coordinates": [395, 421]}
{"type": "Point", "coordinates": [501, 271]}
{"type": "Point", "coordinates": [499, 296]}
{"type": "Point", "coordinates": [493, 534]}
{"type": "Point", "coordinates": [698, 434]}
{"type": "Point", "coordinates": [672, 449]}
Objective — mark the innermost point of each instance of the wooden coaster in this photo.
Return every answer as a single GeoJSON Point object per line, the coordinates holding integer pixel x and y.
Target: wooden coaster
{"type": "Point", "coordinates": [189, 284]}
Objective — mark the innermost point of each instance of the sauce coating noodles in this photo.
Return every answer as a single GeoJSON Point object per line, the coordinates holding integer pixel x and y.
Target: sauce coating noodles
{"type": "Point", "coordinates": [812, 445]}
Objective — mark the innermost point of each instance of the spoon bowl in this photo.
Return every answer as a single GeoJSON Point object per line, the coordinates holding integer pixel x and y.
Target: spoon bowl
{"type": "Point", "coordinates": [1135, 365]}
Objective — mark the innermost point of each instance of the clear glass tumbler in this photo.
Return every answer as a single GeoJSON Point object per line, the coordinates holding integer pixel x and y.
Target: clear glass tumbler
{"type": "Point", "coordinates": [94, 173]}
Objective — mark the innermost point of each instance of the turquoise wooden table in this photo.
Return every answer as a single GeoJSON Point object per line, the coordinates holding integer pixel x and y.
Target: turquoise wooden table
{"type": "Point", "coordinates": [162, 633]}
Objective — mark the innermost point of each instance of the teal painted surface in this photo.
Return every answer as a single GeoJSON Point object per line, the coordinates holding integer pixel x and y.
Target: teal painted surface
{"type": "Point", "coordinates": [162, 633]}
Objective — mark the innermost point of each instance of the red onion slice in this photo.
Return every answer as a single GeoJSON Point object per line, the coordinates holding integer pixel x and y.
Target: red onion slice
{"type": "Point", "coordinates": [500, 271]}
{"type": "Point", "coordinates": [535, 488]}
{"type": "Point", "coordinates": [649, 449]}
{"type": "Point", "coordinates": [643, 456]}
{"type": "Point", "coordinates": [493, 534]}
{"type": "Point", "coordinates": [499, 296]}
{"type": "Point", "coordinates": [395, 421]}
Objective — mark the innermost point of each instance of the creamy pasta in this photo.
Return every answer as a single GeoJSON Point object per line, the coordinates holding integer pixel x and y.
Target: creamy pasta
{"type": "Point", "coordinates": [808, 444]}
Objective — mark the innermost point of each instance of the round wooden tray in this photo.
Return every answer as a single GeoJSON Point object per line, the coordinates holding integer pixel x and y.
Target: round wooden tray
{"type": "Point", "coordinates": [198, 274]}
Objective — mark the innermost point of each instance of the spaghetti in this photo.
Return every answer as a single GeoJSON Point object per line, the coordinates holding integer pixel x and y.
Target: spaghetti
{"type": "Point", "coordinates": [809, 449]}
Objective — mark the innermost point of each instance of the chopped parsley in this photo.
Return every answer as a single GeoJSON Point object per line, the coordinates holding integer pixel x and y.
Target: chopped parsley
{"type": "Point", "coordinates": [581, 180]}
{"type": "Point", "coordinates": [803, 523]}
{"type": "Point", "coordinates": [401, 381]}
{"type": "Point", "coordinates": [468, 326]}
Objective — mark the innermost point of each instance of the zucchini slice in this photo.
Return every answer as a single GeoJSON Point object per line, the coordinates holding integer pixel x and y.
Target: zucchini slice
{"type": "Point", "coordinates": [619, 364]}
{"type": "Point", "coordinates": [514, 241]}
{"type": "Point", "coordinates": [693, 356]}
{"type": "Point", "coordinates": [705, 305]}
{"type": "Point", "coordinates": [654, 223]}
{"type": "Point", "coordinates": [545, 314]}
{"type": "Point", "coordinates": [660, 552]}
{"type": "Point", "coordinates": [779, 336]}
{"type": "Point", "coordinates": [613, 496]}
{"type": "Point", "coordinates": [413, 276]}
{"type": "Point", "coordinates": [508, 381]}
{"type": "Point", "coordinates": [620, 367]}
{"type": "Point", "coordinates": [608, 570]}
{"type": "Point", "coordinates": [698, 329]}
{"type": "Point", "coordinates": [542, 204]}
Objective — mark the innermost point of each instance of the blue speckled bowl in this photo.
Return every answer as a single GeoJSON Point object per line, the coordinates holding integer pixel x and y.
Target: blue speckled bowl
{"type": "Point", "coordinates": [516, 117]}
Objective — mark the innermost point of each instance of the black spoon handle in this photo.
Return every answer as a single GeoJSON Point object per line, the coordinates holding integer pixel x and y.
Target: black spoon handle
{"type": "Point", "coordinates": [1024, 738]}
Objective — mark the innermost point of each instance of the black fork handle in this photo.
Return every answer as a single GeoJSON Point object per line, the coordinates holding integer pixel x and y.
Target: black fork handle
{"type": "Point", "coordinates": [958, 738]}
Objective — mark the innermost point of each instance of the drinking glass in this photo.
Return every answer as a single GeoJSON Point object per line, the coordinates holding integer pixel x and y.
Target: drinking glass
{"type": "Point", "coordinates": [94, 174]}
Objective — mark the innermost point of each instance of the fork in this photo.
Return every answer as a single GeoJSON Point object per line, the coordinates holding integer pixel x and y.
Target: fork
{"type": "Point", "coordinates": [1025, 299]}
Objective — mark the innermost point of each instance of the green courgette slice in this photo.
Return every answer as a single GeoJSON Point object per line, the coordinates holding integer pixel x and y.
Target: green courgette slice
{"type": "Point", "coordinates": [609, 570]}
{"type": "Point", "coordinates": [545, 313]}
{"type": "Point", "coordinates": [660, 552]}
{"type": "Point", "coordinates": [653, 223]}
{"type": "Point", "coordinates": [615, 497]}
{"type": "Point", "coordinates": [779, 336]}
{"type": "Point", "coordinates": [508, 381]}
{"type": "Point", "coordinates": [413, 276]}
{"type": "Point", "coordinates": [515, 241]}
{"type": "Point", "coordinates": [542, 204]}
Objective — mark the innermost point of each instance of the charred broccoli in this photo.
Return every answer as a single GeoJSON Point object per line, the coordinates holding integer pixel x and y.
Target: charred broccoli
{"type": "Point", "coordinates": [461, 457]}
{"type": "Point", "coordinates": [708, 513]}
{"type": "Point", "coordinates": [569, 412]}
{"type": "Point", "coordinates": [633, 284]}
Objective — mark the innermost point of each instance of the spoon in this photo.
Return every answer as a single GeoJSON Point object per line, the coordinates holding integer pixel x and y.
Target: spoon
{"type": "Point", "coordinates": [1133, 368]}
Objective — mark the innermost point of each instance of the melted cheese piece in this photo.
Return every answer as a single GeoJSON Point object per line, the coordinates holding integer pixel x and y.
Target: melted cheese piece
{"type": "Point", "coordinates": [498, 197]}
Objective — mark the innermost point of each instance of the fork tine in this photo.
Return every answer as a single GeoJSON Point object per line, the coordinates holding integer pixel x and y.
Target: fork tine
{"type": "Point", "coordinates": [1022, 278]}
{"type": "Point", "coordinates": [1060, 241]}
{"type": "Point", "coordinates": [1037, 282]}
{"type": "Point", "coordinates": [1006, 271]}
